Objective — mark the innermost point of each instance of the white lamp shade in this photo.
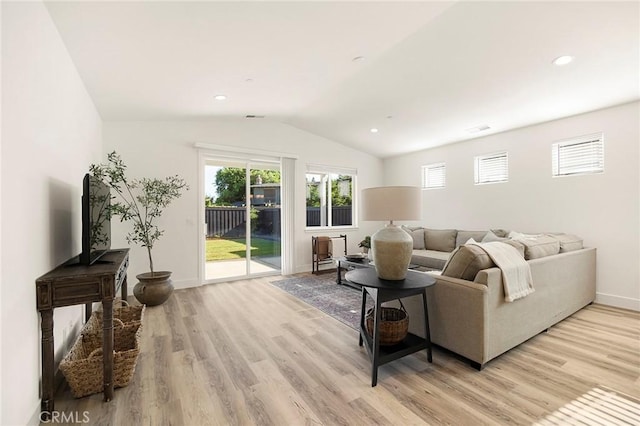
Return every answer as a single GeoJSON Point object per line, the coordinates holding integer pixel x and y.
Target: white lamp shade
{"type": "Point", "coordinates": [391, 246]}
{"type": "Point", "coordinates": [390, 203]}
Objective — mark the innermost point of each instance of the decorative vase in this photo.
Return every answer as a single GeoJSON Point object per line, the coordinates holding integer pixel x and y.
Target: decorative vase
{"type": "Point", "coordinates": [153, 288]}
{"type": "Point", "coordinates": [392, 248]}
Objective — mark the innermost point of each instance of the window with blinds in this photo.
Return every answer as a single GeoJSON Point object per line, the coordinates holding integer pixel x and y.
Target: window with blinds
{"type": "Point", "coordinates": [433, 176]}
{"type": "Point", "coordinates": [577, 156]}
{"type": "Point", "coordinates": [492, 168]}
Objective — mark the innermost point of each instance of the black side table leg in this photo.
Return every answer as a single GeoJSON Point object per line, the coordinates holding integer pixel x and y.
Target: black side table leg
{"type": "Point", "coordinates": [426, 326]}
{"type": "Point", "coordinates": [363, 325]}
{"type": "Point", "coordinates": [339, 277]}
{"type": "Point", "coordinates": [376, 339]}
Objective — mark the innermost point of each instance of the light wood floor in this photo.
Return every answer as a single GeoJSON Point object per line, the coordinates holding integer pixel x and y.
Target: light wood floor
{"type": "Point", "coordinates": [248, 353]}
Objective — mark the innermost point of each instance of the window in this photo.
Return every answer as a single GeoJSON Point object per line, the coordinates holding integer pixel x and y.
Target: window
{"type": "Point", "coordinates": [433, 176]}
{"type": "Point", "coordinates": [577, 156]}
{"type": "Point", "coordinates": [491, 168]}
{"type": "Point", "coordinates": [330, 196]}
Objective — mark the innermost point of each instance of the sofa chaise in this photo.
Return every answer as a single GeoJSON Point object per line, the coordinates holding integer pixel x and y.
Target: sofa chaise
{"type": "Point", "coordinates": [468, 313]}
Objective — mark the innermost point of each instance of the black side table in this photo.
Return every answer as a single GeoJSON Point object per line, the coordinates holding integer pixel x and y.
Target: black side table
{"type": "Point", "coordinates": [384, 291]}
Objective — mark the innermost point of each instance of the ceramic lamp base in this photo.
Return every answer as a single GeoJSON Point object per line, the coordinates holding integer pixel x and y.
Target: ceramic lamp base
{"type": "Point", "coordinates": [392, 249]}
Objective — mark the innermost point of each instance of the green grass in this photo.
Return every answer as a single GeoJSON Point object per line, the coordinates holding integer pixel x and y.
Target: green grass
{"type": "Point", "coordinates": [235, 248]}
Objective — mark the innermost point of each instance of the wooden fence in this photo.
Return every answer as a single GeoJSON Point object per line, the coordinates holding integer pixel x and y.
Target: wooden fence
{"type": "Point", "coordinates": [225, 222]}
{"type": "Point", "coordinates": [229, 222]}
{"type": "Point", "coordinates": [340, 216]}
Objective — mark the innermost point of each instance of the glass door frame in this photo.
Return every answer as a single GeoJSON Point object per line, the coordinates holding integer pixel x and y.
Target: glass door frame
{"type": "Point", "coordinates": [248, 162]}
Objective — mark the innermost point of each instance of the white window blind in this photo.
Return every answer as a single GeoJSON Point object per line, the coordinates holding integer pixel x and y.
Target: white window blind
{"type": "Point", "coordinates": [581, 155]}
{"type": "Point", "coordinates": [433, 176]}
{"type": "Point", "coordinates": [491, 168]}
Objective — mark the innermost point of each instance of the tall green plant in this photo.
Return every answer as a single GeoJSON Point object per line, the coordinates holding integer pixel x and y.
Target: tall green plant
{"type": "Point", "coordinates": [140, 201]}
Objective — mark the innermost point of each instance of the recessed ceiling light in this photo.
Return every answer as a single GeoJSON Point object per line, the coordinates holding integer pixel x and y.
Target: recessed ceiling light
{"type": "Point", "coordinates": [562, 60]}
{"type": "Point", "coordinates": [477, 129]}
{"type": "Point", "coordinates": [358, 59]}
{"type": "Point", "coordinates": [374, 130]}
{"type": "Point", "coordinates": [219, 97]}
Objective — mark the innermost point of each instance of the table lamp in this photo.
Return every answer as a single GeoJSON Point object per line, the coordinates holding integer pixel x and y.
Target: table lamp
{"type": "Point", "coordinates": [392, 246]}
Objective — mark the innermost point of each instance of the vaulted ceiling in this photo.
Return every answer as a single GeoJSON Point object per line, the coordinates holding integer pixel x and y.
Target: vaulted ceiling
{"type": "Point", "coordinates": [421, 73]}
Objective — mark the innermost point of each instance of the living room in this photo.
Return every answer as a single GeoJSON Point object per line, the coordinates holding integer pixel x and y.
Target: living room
{"type": "Point", "coordinates": [54, 126]}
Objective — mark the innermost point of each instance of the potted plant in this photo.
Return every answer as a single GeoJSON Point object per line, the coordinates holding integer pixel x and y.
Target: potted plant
{"type": "Point", "coordinates": [366, 245]}
{"type": "Point", "coordinates": [141, 201]}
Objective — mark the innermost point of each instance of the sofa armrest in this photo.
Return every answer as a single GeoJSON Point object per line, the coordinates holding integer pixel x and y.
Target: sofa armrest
{"type": "Point", "coordinates": [457, 316]}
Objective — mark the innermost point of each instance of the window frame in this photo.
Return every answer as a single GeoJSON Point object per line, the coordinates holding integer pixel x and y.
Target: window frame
{"type": "Point", "coordinates": [477, 161]}
{"type": "Point", "coordinates": [595, 142]}
{"type": "Point", "coordinates": [326, 170]}
{"type": "Point", "coordinates": [425, 175]}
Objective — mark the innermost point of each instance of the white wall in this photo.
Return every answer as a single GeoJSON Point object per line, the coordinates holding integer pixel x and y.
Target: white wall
{"type": "Point", "coordinates": [602, 208]}
{"type": "Point", "coordinates": [158, 149]}
{"type": "Point", "coordinates": [51, 133]}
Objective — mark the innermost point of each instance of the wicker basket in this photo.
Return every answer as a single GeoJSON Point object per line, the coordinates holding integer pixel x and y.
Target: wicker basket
{"type": "Point", "coordinates": [130, 315]}
{"type": "Point", "coordinates": [393, 327]}
{"type": "Point", "coordinates": [82, 366]}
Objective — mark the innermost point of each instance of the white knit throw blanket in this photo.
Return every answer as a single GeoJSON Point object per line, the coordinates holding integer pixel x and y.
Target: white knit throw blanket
{"type": "Point", "coordinates": [516, 274]}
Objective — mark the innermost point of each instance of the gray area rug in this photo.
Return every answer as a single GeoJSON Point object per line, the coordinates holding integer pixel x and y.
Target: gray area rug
{"type": "Point", "coordinates": [340, 301]}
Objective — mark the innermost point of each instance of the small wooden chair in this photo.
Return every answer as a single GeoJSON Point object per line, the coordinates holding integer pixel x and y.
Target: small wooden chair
{"type": "Point", "coordinates": [322, 251]}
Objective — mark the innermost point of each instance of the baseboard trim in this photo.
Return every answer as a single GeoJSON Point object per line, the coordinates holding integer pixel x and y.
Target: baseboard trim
{"type": "Point", "coordinates": [194, 282]}
{"type": "Point", "coordinates": [618, 301]}
{"type": "Point", "coordinates": [35, 418]}
{"type": "Point", "coordinates": [307, 268]}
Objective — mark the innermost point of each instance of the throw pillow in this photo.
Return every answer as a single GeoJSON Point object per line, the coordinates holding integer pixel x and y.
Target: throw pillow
{"type": "Point", "coordinates": [520, 236]}
{"type": "Point", "coordinates": [491, 236]}
{"type": "Point", "coordinates": [466, 262]}
{"type": "Point", "coordinates": [417, 234]}
{"type": "Point", "coordinates": [541, 246]}
{"type": "Point", "coordinates": [463, 236]}
{"type": "Point", "coordinates": [440, 239]}
{"type": "Point", "coordinates": [502, 233]}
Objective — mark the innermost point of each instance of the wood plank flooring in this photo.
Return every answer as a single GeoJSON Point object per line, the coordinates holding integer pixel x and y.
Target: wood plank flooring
{"type": "Point", "coordinates": [247, 353]}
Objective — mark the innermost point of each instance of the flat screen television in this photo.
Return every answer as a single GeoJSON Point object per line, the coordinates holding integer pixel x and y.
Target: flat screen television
{"type": "Point", "coordinates": [96, 219]}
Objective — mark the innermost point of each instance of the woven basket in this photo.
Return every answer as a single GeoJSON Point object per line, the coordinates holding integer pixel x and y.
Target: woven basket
{"type": "Point", "coordinates": [394, 325]}
{"type": "Point", "coordinates": [131, 316]}
{"type": "Point", "coordinates": [82, 366]}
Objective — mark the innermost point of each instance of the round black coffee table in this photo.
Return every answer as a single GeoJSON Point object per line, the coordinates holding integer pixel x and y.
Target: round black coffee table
{"type": "Point", "coordinates": [384, 291]}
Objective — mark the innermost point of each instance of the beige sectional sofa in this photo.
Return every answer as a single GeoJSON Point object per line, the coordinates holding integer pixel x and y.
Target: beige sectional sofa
{"type": "Point", "coordinates": [467, 311]}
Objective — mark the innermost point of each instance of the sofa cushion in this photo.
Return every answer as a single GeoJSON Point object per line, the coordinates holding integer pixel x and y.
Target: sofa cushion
{"type": "Point", "coordinates": [417, 234]}
{"type": "Point", "coordinates": [430, 258]}
{"type": "Point", "coordinates": [540, 246]}
{"type": "Point", "coordinates": [466, 262]}
{"type": "Point", "coordinates": [463, 236]}
{"type": "Point", "coordinates": [568, 242]}
{"type": "Point", "coordinates": [440, 239]}
{"type": "Point", "coordinates": [517, 244]}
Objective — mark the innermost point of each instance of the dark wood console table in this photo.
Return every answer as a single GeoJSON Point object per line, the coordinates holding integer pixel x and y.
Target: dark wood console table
{"type": "Point", "coordinates": [74, 284]}
{"type": "Point", "coordinates": [384, 291]}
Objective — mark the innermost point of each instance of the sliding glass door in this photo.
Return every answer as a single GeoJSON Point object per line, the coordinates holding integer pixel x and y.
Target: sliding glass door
{"type": "Point", "coordinates": [242, 219]}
